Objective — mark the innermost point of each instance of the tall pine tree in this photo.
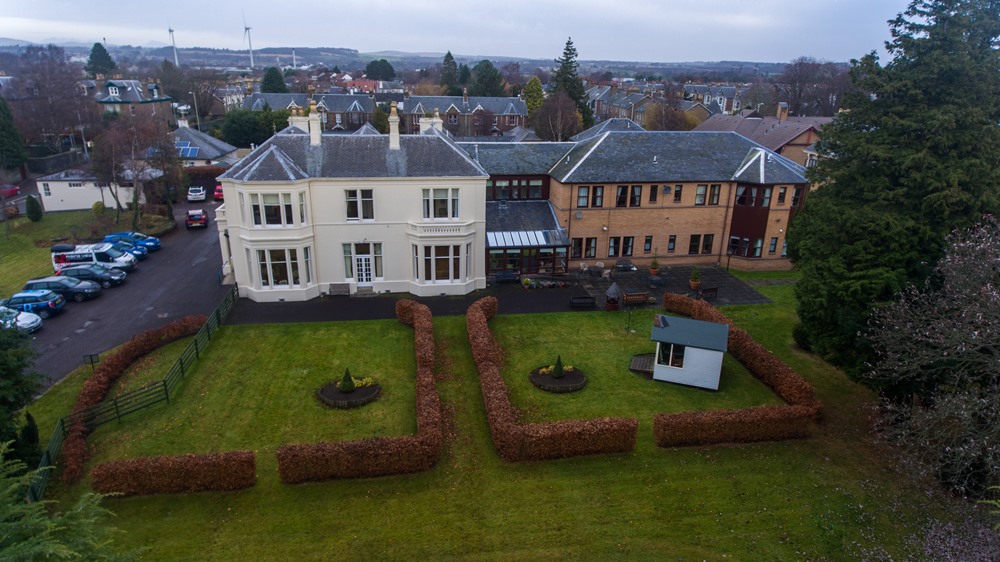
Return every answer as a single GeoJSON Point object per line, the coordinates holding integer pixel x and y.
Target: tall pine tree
{"type": "Point", "coordinates": [566, 79]}
{"type": "Point", "coordinates": [916, 155]}
{"type": "Point", "coordinates": [487, 81]}
{"type": "Point", "coordinates": [273, 82]}
{"type": "Point", "coordinates": [12, 150]}
{"type": "Point", "coordinates": [100, 62]}
{"type": "Point", "coordinates": [449, 75]}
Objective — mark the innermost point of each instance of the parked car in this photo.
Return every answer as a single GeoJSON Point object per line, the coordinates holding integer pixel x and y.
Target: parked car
{"type": "Point", "coordinates": [196, 218]}
{"type": "Point", "coordinates": [68, 287]}
{"type": "Point", "coordinates": [196, 193]}
{"type": "Point", "coordinates": [139, 252]}
{"type": "Point", "coordinates": [219, 195]}
{"type": "Point", "coordinates": [67, 255]}
{"type": "Point", "coordinates": [19, 320]}
{"type": "Point", "coordinates": [44, 303]}
{"type": "Point", "coordinates": [7, 190]}
{"type": "Point", "coordinates": [106, 277]}
{"type": "Point", "coordinates": [151, 243]}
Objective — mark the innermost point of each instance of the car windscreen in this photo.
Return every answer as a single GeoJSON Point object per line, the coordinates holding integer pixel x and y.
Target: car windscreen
{"type": "Point", "coordinates": [114, 252]}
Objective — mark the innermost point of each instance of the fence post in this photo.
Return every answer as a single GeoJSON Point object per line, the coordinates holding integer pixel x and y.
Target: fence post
{"type": "Point", "coordinates": [166, 391]}
{"type": "Point", "coordinates": [118, 415]}
{"type": "Point", "coordinates": [196, 350]}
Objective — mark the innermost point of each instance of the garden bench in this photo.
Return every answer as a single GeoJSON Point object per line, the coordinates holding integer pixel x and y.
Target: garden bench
{"type": "Point", "coordinates": [582, 302]}
{"type": "Point", "coordinates": [635, 299]}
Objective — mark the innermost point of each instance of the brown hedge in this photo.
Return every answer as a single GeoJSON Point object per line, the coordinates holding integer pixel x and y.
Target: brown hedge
{"type": "Point", "coordinates": [183, 474]}
{"type": "Point", "coordinates": [517, 442]}
{"type": "Point", "coordinates": [100, 382]}
{"type": "Point", "coordinates": [379, 456]}
{"type": "Point", "coordinates": [763, 423]}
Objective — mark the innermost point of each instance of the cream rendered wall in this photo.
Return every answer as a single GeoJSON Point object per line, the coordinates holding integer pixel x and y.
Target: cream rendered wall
{"type": "Point", "coordinates": [62, 197]}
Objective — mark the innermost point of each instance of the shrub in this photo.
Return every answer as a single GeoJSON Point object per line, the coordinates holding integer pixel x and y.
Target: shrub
{"type": "Point", "coordinates": [33, 208]}
{"type": "Point", "coordinates": [111, 368]}
{"type": "Point", "coordinates": [383, 455]}
{"type": "Point", "coordinates": [346, 384]}
{"type": "Point", "coordinates": [98, 209]}
{"type": "Point", "coordinates": [183, 474]}
{"type": "Point", "coordinates": [517, 442]}
{"type": "Point", "coordinates": [557, 370]}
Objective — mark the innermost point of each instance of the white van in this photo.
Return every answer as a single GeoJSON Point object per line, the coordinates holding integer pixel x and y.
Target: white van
{"type": "Point", "coordinates": [65, 255]}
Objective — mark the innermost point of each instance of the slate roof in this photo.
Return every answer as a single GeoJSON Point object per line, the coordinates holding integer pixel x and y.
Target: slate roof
{"type": "Point", "coordinates": [767, 131]}
{"type": "Point", "coordinates": [345, 103]}
{"type": "Point", "coordinates": [74, 174]}
{"type": "Point", "coordinates": [659, 156]}
{"type": "Point", "coordinates": [209, 147]}
{"type": "Point", "coordinates": [690, 332]}
{"type": "Point", "coordinates": [129, 91]}
{"type": "Point", "coordinates": [288, 156]}
{"type": "Point", "coordinates": [519, 224]}
{"type": "Point", "coordinates": [517, 134]}
{"type": "Point", "coordinates": [258, 101]}
{"type": "Point", "coordinates": [517, 159]}
{"type": "Point", "coordinates": [613, 124]}
{"type": "Point", "coordinates": [421, 105]}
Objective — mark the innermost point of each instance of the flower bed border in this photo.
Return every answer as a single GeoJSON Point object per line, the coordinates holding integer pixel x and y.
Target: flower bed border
{"type": "Point", "coordinates": [564, 386]}
{"type": "Point", "coordinates": [360, 397]}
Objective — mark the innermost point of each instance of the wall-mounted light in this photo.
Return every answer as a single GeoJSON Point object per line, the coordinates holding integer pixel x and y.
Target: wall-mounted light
{"type": "Point", "coordinates": [605, 228]}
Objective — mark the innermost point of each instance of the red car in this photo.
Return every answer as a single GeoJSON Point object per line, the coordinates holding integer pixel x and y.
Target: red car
{"type": "Point", "coordinates": [219, 196]}
{"type": "Point", "coordinates": [196, 218]}
{"type": "Point", "coordinates": [9, 190]}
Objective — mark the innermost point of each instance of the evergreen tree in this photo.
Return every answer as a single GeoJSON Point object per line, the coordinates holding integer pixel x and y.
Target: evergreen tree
{"type": "Point", "coordinates": [534, 97]}
{"type": "Point", "coordinates": [380, 119]}
{"type": "Point", "coordinates": [487, 81]}
{"type": "Point", "coordinates": [273, 82]}
{"type": "Point", "coordinates": [100, 62]}
{"type": "Point", "coordinates": [380, 70]}
{"type": "Point", "coordinates": [244, 127]}
{"type": "Point", "coordinates": [33, 208]}
{"type": "Point", "coordinates": [916, 155]}
{"type": "Point", "coordinates": [566, 79]}
{"type": "Point", "coordinates": [17, 382]}
{"type": "Point", "coordinates": [449, 75]}
{"type": "Point", "coordinates": [26, 448]}
{"type": "Point", "coordinates": [13, 153]}
{"type": "Point", "coordinates": [346, 383]}
{"type": "Point", "coordinates": [464, 74]}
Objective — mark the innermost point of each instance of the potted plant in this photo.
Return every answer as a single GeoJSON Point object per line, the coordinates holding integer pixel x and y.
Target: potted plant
{"type": "Point", "coordinates": [654, 266]}
{"type": "Point", "coordinates": [695, 280]}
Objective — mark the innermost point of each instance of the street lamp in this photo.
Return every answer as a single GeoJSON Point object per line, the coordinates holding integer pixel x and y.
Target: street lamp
{"type": "Point", "coordinates": [197, 115]}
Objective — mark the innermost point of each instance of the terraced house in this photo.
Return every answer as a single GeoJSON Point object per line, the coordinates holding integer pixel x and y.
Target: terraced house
{"type": "Point", "coordinates": [310, 213]}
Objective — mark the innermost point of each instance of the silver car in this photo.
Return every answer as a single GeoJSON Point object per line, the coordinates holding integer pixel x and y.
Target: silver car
{"type": "Point", "coordinates": [26, 321]}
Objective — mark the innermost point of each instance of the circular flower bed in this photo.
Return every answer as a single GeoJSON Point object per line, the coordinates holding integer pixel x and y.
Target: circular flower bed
{"type": "Point", "coordinates": [571, 381]}
{"type": "Point", "coordinates": [349, 392]}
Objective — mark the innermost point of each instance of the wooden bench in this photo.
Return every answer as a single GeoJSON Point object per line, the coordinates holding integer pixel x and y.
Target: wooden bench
{"type": "Point", "coordinates": [707, 294]}
{"type": "Point", "coordinates": [582, 302]}
{"type": "Point", "coordinates": [635, 299]}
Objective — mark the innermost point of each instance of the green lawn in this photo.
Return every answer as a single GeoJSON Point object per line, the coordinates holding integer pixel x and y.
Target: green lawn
{"type": "Point", "coordinates": [793, 500]}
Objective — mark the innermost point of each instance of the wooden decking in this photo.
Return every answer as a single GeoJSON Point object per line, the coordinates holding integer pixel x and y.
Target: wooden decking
{"type": "Point", "coordinates": [642, 363]}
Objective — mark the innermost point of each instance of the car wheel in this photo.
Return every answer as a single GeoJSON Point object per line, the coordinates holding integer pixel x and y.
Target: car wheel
{"type": "Point", "coordinates": [79, 297]}
{"type": "Point", "coordinates": [43, 314]}
{"type": "Point", "coordinates": [106, 284]}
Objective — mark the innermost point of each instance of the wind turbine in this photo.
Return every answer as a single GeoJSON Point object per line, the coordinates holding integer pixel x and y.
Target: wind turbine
{"type": "Point", "coordinates": [174, 43]}
{"type": "Point", "coordinates": [246, 35]}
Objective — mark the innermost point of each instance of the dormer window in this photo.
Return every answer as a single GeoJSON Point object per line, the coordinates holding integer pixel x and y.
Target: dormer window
{"type": "Point", "coordinates": [112, 90]}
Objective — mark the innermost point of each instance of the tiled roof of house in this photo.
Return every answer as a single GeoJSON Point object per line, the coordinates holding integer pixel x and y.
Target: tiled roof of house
{"type": "Point", "coordinates": [515, 159]}
{"type": "Point", "coordinates": [209, 147]}
{"type": "Point", "coordinates": [767, 131]}
{"type": "Point", "coordinates": [345, 103]}
{"type": "Point", "coordinates": [129, 91]}
{"type": "Point", "coordinates": [288, 156]}
{"type": "Point", "coordinates": [421, 105]}
{"type": "Point", "coordinates": [258, 101]}
{"type": "Point", "coordinates": [613, 124]}
{"type": "Point", "coordinates": [655, 156]}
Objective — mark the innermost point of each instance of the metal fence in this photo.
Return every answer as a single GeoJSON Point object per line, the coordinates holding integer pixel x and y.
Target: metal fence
{"type": "Point", "coordinates": [116, 408]}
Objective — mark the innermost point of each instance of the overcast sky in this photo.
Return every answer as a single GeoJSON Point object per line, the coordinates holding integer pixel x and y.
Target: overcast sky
{"type": "Point", "coordinates": [626, 30]}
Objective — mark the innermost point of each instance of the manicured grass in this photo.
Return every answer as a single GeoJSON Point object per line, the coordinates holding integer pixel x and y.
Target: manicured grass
{"type": "Point", "coordinates": [602, 347]}
{"type": "Point", "coordinates": [796, 500]}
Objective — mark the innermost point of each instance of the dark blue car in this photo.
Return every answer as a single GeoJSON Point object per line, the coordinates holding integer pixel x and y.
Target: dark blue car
{"type": "Point", "coordinates": [151, 243]}
{"type": "Point", "coordinates": [140, 252]}
{"type": "Point", "coordinates": [44, 303]}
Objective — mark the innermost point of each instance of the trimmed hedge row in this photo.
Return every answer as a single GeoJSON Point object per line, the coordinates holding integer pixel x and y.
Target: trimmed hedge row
{"type": "Point", "coordinates": [100, 382]}
{"type": "Point", "coordinates": [517, 442]}
{"type": "Point", "coordinates": [764, 423]}
{"type": "Point", "coordinates": [379, 456]}
{"type": "Point", "coordinates": [216, 472]}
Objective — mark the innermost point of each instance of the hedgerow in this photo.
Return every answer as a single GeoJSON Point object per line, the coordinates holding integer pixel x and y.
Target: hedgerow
{"type": "Point", "coordinates": [182, 474]}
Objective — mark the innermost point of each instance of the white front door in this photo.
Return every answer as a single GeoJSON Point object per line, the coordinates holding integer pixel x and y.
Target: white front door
{"type": "Point", "coordinates": [363, 269]}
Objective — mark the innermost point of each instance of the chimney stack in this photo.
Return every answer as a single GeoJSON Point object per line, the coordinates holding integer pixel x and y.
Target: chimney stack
{"type": "Point", "coordinates": [315, 125]}
{"type": "Point", "coordinates": [782, 111]}
{"type": "Point", "coordinates": [465, 95]}
{"type": "Point", "coordinates": [393, 128]}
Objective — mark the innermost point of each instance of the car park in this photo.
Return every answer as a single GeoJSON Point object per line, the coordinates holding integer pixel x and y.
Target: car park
{"type": "Point", "coordinates": [44, 303]}
{"type": "Point", "coordinates": [66, 255]}
{"type": "Point", "coordinates": [196, 218]}
{"type": "Point", "coordinates": [196, 193]}
{"type": "Point", "coordinates": [7, 190]}
{"type": "Point", "coordinates": [139, 252]}
{"type": "Point", "coordinates": [151, 243]}
{"type": "Point", "coordinates": [68, 287]}
{"type": "Point", "coordinates": [19, 320]}
{"type": "Point", "coordinates": [219, 195]}
{"type": "Point", "coordinates": [106, 277]}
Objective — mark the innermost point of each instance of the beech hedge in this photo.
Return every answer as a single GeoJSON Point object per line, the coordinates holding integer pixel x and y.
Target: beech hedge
{"type": "Point", "coordinates": [764, 423]}
{"type": "Point", "coordinates": [380, 456]}
{"type": "Point", "coordinates": [216, 472]}
{"type": "Point", "coordinates": [99, 383]}
{"type": "Point", "coordinates": [517, 442]}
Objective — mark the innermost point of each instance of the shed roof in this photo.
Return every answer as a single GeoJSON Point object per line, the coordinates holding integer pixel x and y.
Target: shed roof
{"type": "Point", "coordinates": [690, 332]}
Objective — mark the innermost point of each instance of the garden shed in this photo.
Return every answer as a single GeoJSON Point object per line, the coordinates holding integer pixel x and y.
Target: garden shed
{"type": "Point", "coordinates": [688, 351]}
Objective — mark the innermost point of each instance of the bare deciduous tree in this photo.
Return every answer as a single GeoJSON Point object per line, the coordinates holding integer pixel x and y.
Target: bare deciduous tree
{"type": "Point", "coordinates": [557, 119]}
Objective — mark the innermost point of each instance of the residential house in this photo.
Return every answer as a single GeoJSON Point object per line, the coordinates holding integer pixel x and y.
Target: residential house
{"type": "Point", "coordinates": [344, 112]}
{"type": "Point", "coordinates": [786, 135]}
{"type": "Point", "coordinates": [688, 351]}
{"type": "Point", "coordinates": [729, 99]}
{"type": "Point", "coordinates": [466, 116]}
{"type": "Point", "coordinates": [75, 190]}
{"type": "Point", "coordinates": [310, 213]}
{"type": "Point", "coordinates": [120, 96]}
{"type": "Point", "coordinates": [260, 101]}
{"type": "Point", "coordinates": [195, 148]}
